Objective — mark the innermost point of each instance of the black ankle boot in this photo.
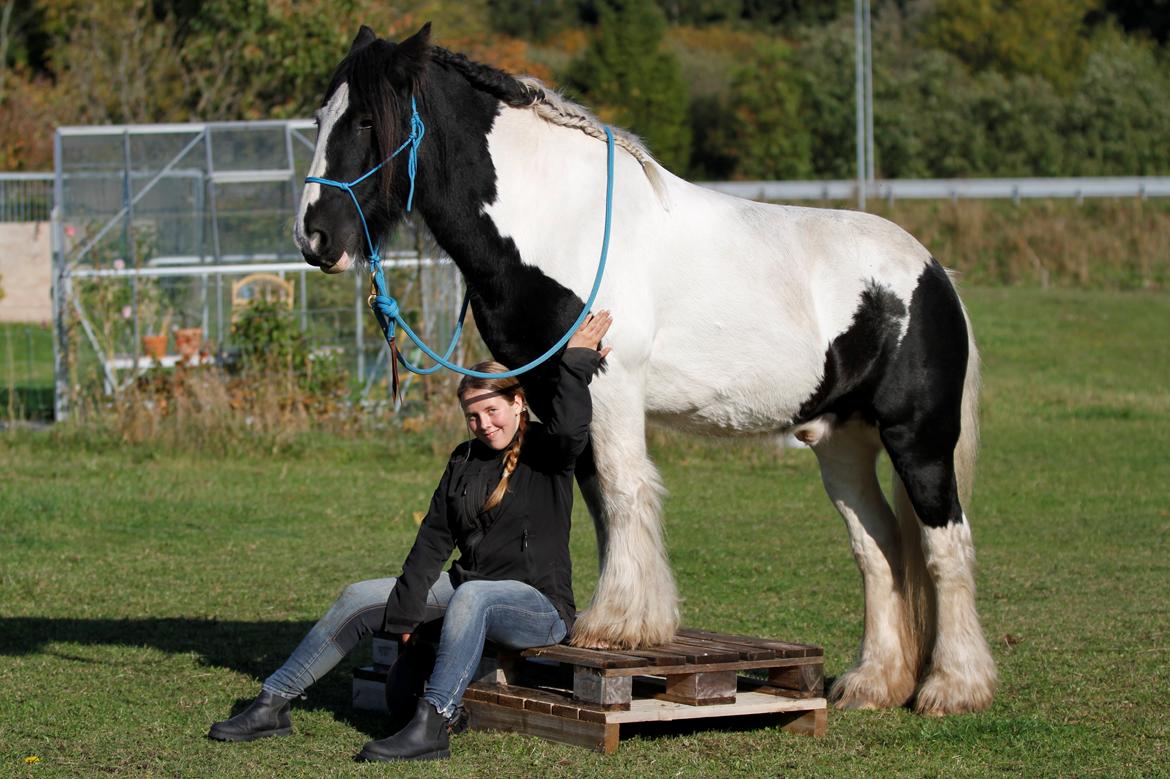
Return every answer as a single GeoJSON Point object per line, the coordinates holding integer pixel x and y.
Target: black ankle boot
{"type": "Point", "coordinates": [423, 738]}
{"type": "Point", "coordinates": [268, 715]}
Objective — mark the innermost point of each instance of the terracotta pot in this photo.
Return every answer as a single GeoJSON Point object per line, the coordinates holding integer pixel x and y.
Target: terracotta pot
{"type": "Point", "coordinates": [155, 345]}
{"type": "Point", "coordinates": [188, 340]}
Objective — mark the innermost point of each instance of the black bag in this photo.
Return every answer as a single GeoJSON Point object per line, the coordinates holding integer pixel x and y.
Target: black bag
{"type": "Point", "coordinates": [407, 678]}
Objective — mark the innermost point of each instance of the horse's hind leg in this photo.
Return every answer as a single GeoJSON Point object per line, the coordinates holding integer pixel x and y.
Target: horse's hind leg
{"type": "Point", "coordinates": [929, 427]}
{"type": "Point", "coordinates": [887, 663]}
{"type": "Point", "coordinates": [961, 676]}
{"type": "Point", "coordinates": [635, 603]}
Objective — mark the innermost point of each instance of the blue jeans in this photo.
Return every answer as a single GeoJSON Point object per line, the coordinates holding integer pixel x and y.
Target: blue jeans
{"type": "Point", "coordinates": [510, 613]}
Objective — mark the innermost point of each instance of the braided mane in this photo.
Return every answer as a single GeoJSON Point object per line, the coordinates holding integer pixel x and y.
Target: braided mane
{"type": "Point", "coordinates": [549, 105]}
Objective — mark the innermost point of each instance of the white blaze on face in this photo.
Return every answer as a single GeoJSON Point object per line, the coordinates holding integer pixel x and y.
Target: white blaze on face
{"type": "Point", "coordinates": [326, 119]}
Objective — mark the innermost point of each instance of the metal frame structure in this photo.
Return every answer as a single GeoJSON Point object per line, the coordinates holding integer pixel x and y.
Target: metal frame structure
{"type": "Point", "coordinates": [26, 197]}
{"type": "Point", "coordinates": [213, 261]}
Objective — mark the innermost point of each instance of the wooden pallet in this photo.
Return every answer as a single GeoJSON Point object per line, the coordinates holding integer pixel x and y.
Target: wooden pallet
{"type": "Point", "coordinates": [584, 696]}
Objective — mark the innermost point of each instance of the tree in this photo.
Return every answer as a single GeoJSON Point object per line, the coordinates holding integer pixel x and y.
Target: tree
{"type": "Point", "coordinates": [825, 57]}
{"type": "Point", "coordinates": [535, 20]}
{"type": "Point", "coordinates": [116, 59]}
{"type": "Point", "coordinates": [1118, 120]}
{"type": "Point", "coordinates": [1148, 16]}
{"type": "Point", "coordinates": [770, 139]}
{"type": "Point", "coordinates": [1046, 38]}
{"type": "Point", "coordinates": [631, 81]}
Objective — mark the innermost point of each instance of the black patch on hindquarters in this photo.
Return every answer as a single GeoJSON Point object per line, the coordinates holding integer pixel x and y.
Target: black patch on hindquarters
{"type": "Point", "coordinates": [911, 390]}
{"type": "Point", "coordinates": [919, 399]}
{"type": "Point", "coordinates": [856, 359]}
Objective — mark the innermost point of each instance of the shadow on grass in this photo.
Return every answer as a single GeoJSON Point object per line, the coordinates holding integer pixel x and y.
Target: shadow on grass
{"type": "Point", "coordinates": [252, 648]}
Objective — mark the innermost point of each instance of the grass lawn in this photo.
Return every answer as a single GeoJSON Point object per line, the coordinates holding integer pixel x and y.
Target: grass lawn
{"type": "Point", "coordinates": [144, 593]}
{"type": "Point", "coordinates": [26, 371]}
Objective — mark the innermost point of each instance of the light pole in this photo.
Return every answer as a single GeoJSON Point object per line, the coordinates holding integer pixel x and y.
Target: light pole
{"type": "Point", "coordinates": [864, 92]}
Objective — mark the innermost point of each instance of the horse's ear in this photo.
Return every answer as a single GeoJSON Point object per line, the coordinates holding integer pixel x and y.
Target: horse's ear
{"type": "Point", "coordinates": [411, 56]}
{"type": "Point", "coordinates": [421, 39]}
{"type": "Point", "coordinates": [364, 37]}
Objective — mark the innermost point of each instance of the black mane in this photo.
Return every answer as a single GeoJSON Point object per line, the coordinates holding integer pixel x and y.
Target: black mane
{"type": "Point", "coordinates": [382, 75]}
{"type": "Point", "coordinates": [494, 81]}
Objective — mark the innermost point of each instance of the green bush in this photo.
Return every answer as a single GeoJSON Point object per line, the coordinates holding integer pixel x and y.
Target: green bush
{"type": "Point", "coordinates": [770, 139]}
{"type": "Point", "coordinates": [633, 81]}
{"type": "Point", "coordinates": [1118, 120]}
{"type": "Point", "coordinates": [271, 343]}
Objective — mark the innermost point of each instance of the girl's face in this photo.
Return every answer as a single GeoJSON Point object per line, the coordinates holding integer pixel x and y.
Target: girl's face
{"type": "Point", "coordinates": [491, 417]}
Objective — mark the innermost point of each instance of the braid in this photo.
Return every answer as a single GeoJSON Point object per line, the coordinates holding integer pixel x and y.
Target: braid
{"type": "Point", "coordinates": [510, 460]}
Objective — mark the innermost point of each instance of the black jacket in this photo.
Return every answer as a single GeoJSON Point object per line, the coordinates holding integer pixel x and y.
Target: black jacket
{"type": "Point", "coordinates": [526, 536]}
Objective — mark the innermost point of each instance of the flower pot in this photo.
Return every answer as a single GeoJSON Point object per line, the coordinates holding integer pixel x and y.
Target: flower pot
{"type": "Point", "coordinates": [188, 340]}
{"type": "Point", "coordinates": [155, 345]}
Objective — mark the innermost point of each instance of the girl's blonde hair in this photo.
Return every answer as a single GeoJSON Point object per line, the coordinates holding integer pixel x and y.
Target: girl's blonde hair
{"type": "Point", "coordinates": [510, 389]}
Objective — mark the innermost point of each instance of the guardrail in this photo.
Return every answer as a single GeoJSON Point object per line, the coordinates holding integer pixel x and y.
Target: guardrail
{"type": "Point", "coordinates": [26, 197]}
{"type": "Point", "coordinates": [950, 189]}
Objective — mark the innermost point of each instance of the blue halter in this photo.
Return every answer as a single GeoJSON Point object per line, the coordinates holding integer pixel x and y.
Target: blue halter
{"type": "Point", "coordinates": [386, 309]}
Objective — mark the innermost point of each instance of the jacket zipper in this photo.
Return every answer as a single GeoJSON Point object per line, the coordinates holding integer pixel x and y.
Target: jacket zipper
{"type": "Point", "coordinates": [524, 541]}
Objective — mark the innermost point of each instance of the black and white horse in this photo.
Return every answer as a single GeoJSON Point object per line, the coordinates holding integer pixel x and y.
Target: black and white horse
{"type": "Point", "coordinates": [731, 318]}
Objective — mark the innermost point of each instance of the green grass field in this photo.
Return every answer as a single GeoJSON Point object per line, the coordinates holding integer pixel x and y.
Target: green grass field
{"type": "Point", "coordinates": [144, 593]}
{"type": "Point", "coordinates": [26, 371]}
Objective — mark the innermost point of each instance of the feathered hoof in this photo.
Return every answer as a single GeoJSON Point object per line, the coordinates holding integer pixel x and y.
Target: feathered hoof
{"type": "Point", "coordinates": [594, 629]}
{"type": "Point", "coordinates": [870, 687]}
{"type": "Point", "coordinates": [943, 693]}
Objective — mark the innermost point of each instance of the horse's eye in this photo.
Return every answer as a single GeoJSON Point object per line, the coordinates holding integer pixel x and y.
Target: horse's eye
{"type": "Point", "coordinates": [365, 123]}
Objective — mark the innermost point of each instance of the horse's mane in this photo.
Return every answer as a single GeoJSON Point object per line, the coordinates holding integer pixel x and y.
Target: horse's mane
{"type": "Point", "coordinates": [550, 105]}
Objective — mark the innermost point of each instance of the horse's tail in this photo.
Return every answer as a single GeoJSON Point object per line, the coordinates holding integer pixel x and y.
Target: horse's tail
{"type": "Point", "coordinates": [968, 447]}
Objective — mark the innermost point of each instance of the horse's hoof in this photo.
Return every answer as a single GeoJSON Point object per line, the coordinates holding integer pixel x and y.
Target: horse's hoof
{"type": "Point", "coordinates": [941, 694]}
{"type": "Point", "coordinates": [593, 630]}
{"type": "Point", "coordinates": [868, 687]}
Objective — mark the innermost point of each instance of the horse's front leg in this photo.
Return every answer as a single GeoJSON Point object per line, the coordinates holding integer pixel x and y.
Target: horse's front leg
{"type": "Point", "coordinates": [636, 602]}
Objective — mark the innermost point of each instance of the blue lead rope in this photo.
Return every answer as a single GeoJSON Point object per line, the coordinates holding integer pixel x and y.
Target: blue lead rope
{"type": "Point", "coordinates": [386, 309]}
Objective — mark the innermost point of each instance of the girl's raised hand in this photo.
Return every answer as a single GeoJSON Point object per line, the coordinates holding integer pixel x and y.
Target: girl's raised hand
{"type": "Point", "coordinates": [592, 330]}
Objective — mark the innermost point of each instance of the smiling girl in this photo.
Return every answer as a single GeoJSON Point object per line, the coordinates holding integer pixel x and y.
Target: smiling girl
{"type": "Point", "coordinates": [505, 502]}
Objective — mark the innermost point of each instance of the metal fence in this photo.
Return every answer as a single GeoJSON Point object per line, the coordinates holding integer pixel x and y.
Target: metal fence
{"type": "Point", "coordinates": [26, 372]}
{"type": "Point", "coordinates": [26, 197]}
{"type": "Point", "coordinates": [156, 226]}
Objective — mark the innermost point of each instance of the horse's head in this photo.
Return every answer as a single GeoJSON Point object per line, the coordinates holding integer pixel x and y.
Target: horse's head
{"type": "Point", "coordinates": [365, 116]}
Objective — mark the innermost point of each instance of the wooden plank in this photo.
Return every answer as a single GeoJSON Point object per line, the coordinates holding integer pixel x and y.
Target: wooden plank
{"type": "Point", "coordinates": [696, 654]}
{"type": "Point", "coordinates": [589, 658]}
{"type": "Point", "coordinates": [701, 689]}
{"type": "Point", "coordinates": [658, 656]}
{"type": "Point", "coordinates": [651, 710]}
{"type": "Point", "coordinates": [532, 703]}
{"type": "Point", "coordinates": [783, 648]}
{"type": "Point", "coordinates": [807, 680]}
{"type": "Point", "coordinates": [740, 651]}
{"type": "Point", "coordinates": [600, 736]}
{"type": "Point", "coordinates": [513, 698]}
{"type": "Point", "coordinates": [748, 684]}
{"type": "Point", "coordinates": [813, 723]}
{"type": "Point", "coordinates": [562, 704]}
{"type": "Point", "coordinates": [542, 701]}
{"type": "Point", "coordinates": [479, 692]}
{"type": "Point", "coordinates": [738, 665]}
